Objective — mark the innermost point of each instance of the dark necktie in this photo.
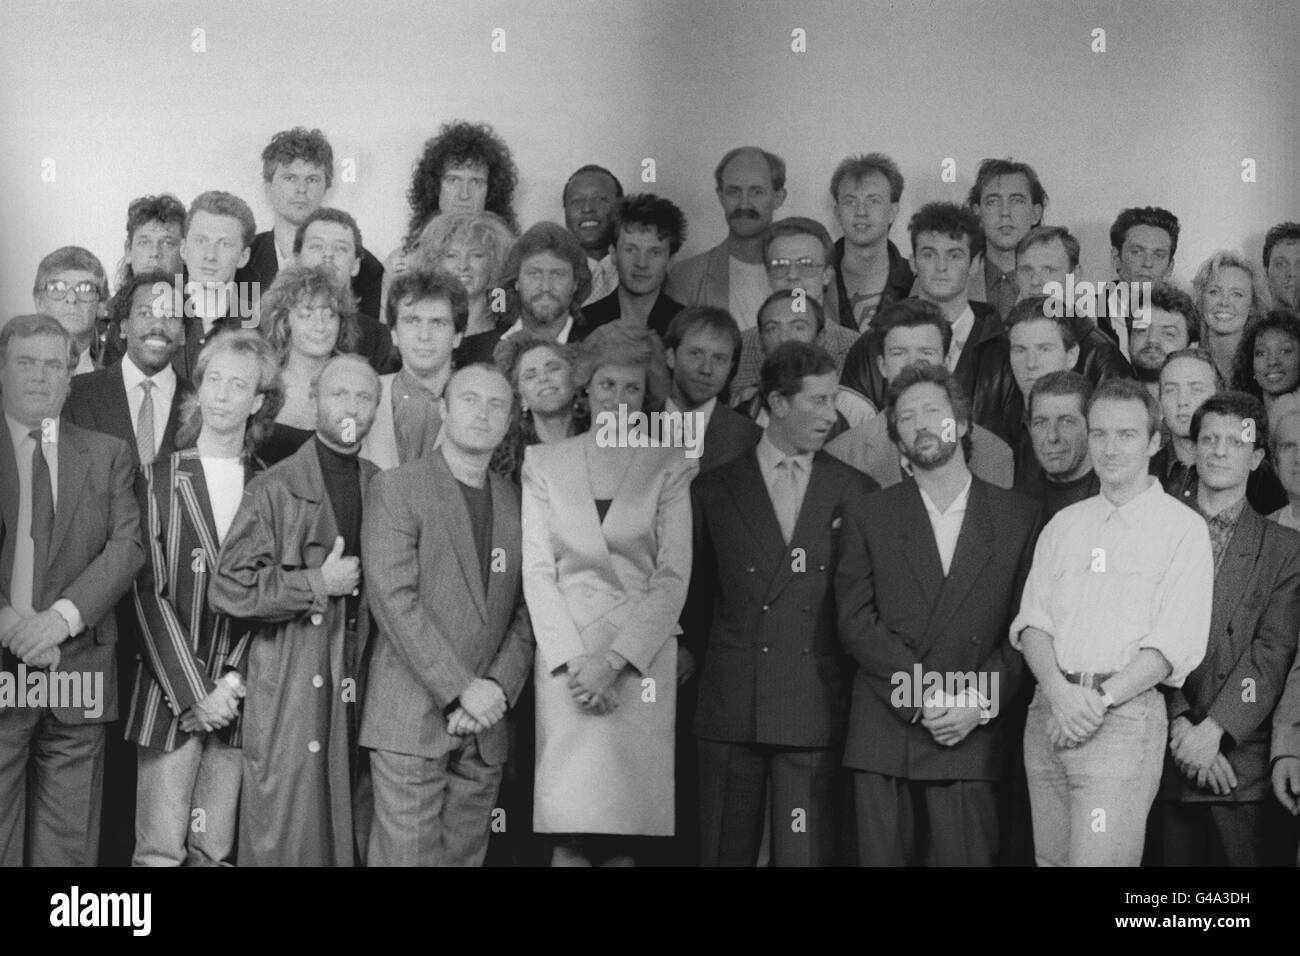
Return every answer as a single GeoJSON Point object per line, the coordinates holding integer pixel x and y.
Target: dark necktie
{"type": "Point", "coordinates": [42, 516]}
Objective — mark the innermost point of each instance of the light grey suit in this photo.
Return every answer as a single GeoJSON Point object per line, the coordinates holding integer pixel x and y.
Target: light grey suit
{"type": "Point", "coordinates": [437, 630]}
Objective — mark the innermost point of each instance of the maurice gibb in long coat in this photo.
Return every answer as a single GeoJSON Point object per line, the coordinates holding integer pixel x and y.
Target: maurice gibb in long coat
{"type": "Point", "coordinates": [301, 776]}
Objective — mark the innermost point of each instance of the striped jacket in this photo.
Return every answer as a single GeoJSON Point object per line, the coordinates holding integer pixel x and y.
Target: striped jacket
{"type": "Point", "coordinates": [185, 646]}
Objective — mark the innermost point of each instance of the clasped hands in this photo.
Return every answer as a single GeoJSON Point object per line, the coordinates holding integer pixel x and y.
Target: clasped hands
{"type": "Point", "coordinates": [591, 684]}
{"type": "Point", "coordinates": [1076, 714]}
{"type": "Point", "coordinates": [216, 710]}
{"type": "Point", "coordinates": [1197, 755]}
{"type": "Point", "coordinates": [482, 704]}
{"type": "Point", "coordinates": [35, 640]}
{"type": "Point", "coordinates": [951, 721]}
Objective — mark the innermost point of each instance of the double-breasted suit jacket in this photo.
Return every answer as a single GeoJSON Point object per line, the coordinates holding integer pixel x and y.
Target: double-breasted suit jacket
{"type": "Point", "coordinates": [594, 586]}
{"type": "Point", "coordinates": [297, 796]}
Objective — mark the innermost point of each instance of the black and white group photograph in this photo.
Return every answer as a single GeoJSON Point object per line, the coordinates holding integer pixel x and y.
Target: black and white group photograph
{"type": "Point", "coordinates": [651, 434]}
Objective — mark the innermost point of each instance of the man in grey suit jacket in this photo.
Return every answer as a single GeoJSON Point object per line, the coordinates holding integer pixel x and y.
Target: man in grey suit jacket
{"type": "Point", "coordinates": [442, 548]}
{"type": "Point", "coordinates": [70, 545]}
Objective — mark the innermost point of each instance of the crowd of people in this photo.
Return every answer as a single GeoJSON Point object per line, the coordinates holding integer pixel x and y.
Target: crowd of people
{"type": "Point", "coordinates": [965, 570]}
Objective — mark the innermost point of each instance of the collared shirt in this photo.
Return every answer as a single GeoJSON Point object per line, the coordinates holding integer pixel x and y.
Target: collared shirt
{"type": "Point", "coordinates": [855, 409]}
{"type": "Point", "coordinates": [1286, 518]}
{"type": "Point", "coordinates": [1000, 290]}
{"type": "Point", "coordinates": [562, 338]}
{"type": "Point", "coordinates": [747, 288]}
{"type": "Point", "coordinates": [604, 278]}
{"type": "Point", "coordinates": [769, 458]}
{"type": "Point", "coordinates": [84, 363]}
{"type": "Point", "coordinates": [164, 392]}
{"type": "Point", "coordinates": [947, 524]}
{"type": "Point", "coordinates": [417, 423]}
{"type": "Point", "coordinates": [706, 410]}
{"type": "Point", "coordinates": [1221, 527]}
{"type": "Point", "coordinates": [21, 599]}
{"type": "Point", "coordinates": [1107, 582]}
{"type": "Point", "coordinates": [961, 329]}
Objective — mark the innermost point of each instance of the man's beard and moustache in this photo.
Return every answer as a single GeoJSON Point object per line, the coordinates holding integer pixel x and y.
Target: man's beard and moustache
{"type": "Point", "coordinates": [936, 454]}
{"type": "Point", "coordinates": [543, 309]}
{"type": "Point", "coordinates": [1147, 363]}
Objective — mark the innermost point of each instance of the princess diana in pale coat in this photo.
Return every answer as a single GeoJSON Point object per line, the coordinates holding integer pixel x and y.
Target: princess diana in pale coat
{"type": "Point", "coordinates": [607, 559]}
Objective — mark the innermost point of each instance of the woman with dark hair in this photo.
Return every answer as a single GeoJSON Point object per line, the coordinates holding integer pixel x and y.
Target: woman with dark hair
{"type": "Point", "coordinates": [607, 558]}
{"type": "Point", "coordinates": [1267, 363]}
{"type": "Point", "coordinates": [546, 407]}
{"type": "Point", "coordinates": [308, 321]}
{"type": "Point", "coordinates": [466, 167]}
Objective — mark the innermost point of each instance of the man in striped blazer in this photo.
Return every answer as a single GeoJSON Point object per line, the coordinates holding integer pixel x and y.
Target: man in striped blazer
{"type": "Point", "coordinates": [185, 709]}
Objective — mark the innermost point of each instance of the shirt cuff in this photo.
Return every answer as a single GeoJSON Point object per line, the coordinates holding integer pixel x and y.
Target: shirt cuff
{"type": "Point", "coordinates": [68, 611]}
{"type": "Point", "coordinates": [9, 618]}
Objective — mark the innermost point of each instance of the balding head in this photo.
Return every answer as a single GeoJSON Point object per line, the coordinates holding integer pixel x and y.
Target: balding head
{"type": "Point", "coordinates": [476, 407]}
{"type": "Point", "coordinates": [347, 395]}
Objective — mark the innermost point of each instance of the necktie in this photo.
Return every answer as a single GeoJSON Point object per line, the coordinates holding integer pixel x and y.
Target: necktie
{"type": "Point", "coordinates": [42, 516]}
{"type": "Point", "coordinates": [144, 440]}
{"type": "Point", "coordinates": [786, 495]}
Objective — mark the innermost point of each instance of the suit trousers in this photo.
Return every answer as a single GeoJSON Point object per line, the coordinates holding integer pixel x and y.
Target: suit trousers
{"type": "Point", "coordinates": [1252, 834]}
{"type": "Point", "coordinates": [1090, 802]}
{"type": "Point", "coordinates": [432, 811]}
{"type": "Point", "coordinates": [733, 796]}
{"type": "Point", "coordinates": [51, 787]}
{"type": "Point", "coordinates": [202, 774]}
{"type": "Point", "coordinates": [904, 822]}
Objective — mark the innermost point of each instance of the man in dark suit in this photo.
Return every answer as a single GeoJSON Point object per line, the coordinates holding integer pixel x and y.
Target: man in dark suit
{"type": "Point", "coordinates": [1216, 806]}
{"type": "Point", "coordinates": [648, 231]}
{"type": "Point", "coordinates": [453, 650]}
{"type": "Point", "coordinates": [298, 170]}
{"type": "Point", "coordinates": [928, 581]}
{"type": "Point", "coordinates": [773, 683]}
{"type": "Point", "coordinates": [70, 547]}
{"type": "Point", "coordinates": [139, 400]}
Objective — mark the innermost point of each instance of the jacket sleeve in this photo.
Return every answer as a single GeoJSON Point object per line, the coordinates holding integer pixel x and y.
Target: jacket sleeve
{"type": "Point", "coordinates": [651, 621]}
{"type": "Point", "coordinates": [166, 644]}
{"type": "Point", "coordinates": [1265, 661]}
{"type": "Point", "coordinates": [1286, 718]}
{"type": "Point", "coordinates": [390, 541]}
{"type": "Point", "coordinates": [1005, 660]}
{"type": "Point", "coordinates": [250, 582]}
{"type": "Point", "coordinates": [109, 575]}
{"type": "Point", "coordinates": [697, 612]}
{"type": "Point", "coordinates": [514, 660]}
{"type": "Point", "coordinates": [558, 641]}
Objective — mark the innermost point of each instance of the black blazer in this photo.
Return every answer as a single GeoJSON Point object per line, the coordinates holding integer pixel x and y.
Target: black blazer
{"type": "Point", "coordinates": [773, 671]}
{"type": "Point", "coordinates": [729, 435]}
{"type": "Point", "coordinates": [98, 402]}
{"type": "Point", "coordinates": [263, 265]}
{"type": "Point", "coordinates": [608, 309]}
{"type": "Point", "coordinates": [1252, 642]}
{"type": "Point", "coordinates": [898, 613]}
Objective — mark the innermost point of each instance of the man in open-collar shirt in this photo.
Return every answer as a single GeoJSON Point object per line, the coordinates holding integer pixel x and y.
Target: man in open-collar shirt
{"type": "Point", "coordinates": [1118, 600]}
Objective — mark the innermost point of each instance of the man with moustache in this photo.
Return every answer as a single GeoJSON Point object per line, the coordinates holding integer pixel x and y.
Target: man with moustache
{"type": "Point", "coordinates": [138, 399]}
{"type": "Point", "coordinates": [453, 644]}
{"type": "Point", "coordinates": [69, 549]}
{"type": "Point", "coordinates": [870, 272]}
{"type": "Point", "coordinates": [944, 608]}
{"type": "Point", "coordinates": [750, 186]}
{"type": "Point", "coordinates": [289, 572]}
{"type": "Point", "coordinates": [332, 238]}
{"type": "Point", "coordinates": [903, 333]}
{"type": "Point", "coordinates": [154, 226]}
{"type": "Point", "coordinates": [648, 231]}
{"type": "Point", "coordinates": [1143, 241]}
{"type": "Point", "coordinates": [1217, 809]}
{"type": "Point", "coordinates": [591, 198]}
{"type": "Point", "coordinates": [1058, 428]}
{"type": "Point", "coordinates": [1175, 325]}
{"type": "Point", "coordinates": [771, 702]}
{"type": "Point", "coordinates": [1186, 381]}
{"type": "Point", "coordinates": [1050, 254]}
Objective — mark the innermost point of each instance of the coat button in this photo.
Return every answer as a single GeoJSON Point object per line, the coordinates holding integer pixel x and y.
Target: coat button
{"type": "Point", "coordinates": [764, 648]}
{"type": "Point", "coordinates": [750, 570]}
{"type": "Point", "coordinates": [821, 567]}
{"type": "Point", "coordinates": [764, 609]}
{"type": "Point", "coordinates": [317, 681]}
{"type": "Point", "coordinates": [804, 652]}
{"type": "Point", "coordinates": [314, 746]}
{"type": "Point", "coordinates": [317, 618]}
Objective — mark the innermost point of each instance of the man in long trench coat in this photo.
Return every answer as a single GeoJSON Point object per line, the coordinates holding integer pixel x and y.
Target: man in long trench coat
{"type": "Point", "coordinates": [289, 569]}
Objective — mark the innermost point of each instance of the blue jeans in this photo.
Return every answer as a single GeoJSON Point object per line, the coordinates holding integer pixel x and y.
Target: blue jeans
{"type": "Point", "coordinates": [187, 803]}
{"type": "Point", "coordinates": [1090, 802]}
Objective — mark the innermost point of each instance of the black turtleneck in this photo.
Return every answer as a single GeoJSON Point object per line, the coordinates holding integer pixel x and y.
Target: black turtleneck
{"type": "Point", "coordinates": [342, 474]}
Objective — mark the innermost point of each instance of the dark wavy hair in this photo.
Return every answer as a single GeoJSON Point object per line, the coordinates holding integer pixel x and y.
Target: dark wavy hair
{"type": "Point", "coordinates": [508, 459]}
{"type": "Point", "coordinates": [460, 143]}
{"type": "Point", "coordinates": [1243, 362]}
{"type": "Point", "coordinates": [919, 373]}
{"type": "Point", "coordinates": [947, 219]}
{"type": "Point", "coordinates": [119, 307]}
{"type": "Point", "coordinates": [164, 208]}
{"type": "Point", "coordinates": [294, 284]}
{"type": "Point", "coordinates": [309, 145]}
{"type": "Point", "coordinates": [269, 385]}
{"type": "Point", "coordinates": [648, 211]}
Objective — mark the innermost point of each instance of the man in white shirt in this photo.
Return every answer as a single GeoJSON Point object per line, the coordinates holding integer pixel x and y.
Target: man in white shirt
{"type": "Point", "coordinates": [71, 286]}
{"type": "Point", "coordinates": [1118, 600]}
{"type": "Point", "coordinates": [750, 185]}
{"type": "Point", "coordinates": [925, 615]}
{"type": "Point", "coordinates": [590, 200]}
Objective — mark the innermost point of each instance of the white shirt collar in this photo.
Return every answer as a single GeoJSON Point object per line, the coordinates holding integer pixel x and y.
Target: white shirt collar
{"type": "Point", "coordinates": [562, 338]}
{"type": "Point", "coordinates": [84, 363]}
{"type": "Point", "coordinates": [769, 456]}
{"type": "Point", "coordinates": [132, 376]}
{"type": "Point", "coordinates": [706, 409]}
{"type": "Point", "coordinates": [18, 432]}
{"type": "Point", "coordinates": [958, 504]}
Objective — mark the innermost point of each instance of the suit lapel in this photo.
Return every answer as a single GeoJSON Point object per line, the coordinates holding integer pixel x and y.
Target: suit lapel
{"type": "Point", "coordinates": [9, 480]}
{"type": "Point", "coordinates": [1233, 576]}
{"type": "Point", "coordinates": [74, 462]}
{"type": "Point", "coordinates": [116, 410]}
{"type": "Point", "coordinates": [456, 516]}
{"type": "Point", "coordinates": [506, 536]}
{"type": "Point", "coordinates": [756, 510]}
{"type": "Point", "coordinates": [814, 520]}
{"type": "Point", "coordinates": [181, 393]}
{"type": "Point", "coordinates": [717, 278]}
{"type": "Point", "coordinates": [919, 547]}
{"type": "Point", "coordinates": [973, 551]}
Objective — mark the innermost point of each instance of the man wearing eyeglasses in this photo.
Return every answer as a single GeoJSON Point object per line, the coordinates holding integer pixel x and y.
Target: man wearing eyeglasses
{"type": "Point", "coordinates": [797, 254]}
{"type": "Point", "coordinates": [71, 286]}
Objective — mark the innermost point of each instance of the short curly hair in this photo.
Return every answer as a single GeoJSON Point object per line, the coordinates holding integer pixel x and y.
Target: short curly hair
{"type": "Point", "coordinates": [1243, 362]}
{"type": "Point", "coordinates": [648, 211]}
{"type": "Point", "coordinates": [294, 285]}
{"type": "Point", "coordinates": [618, 343]}
{"type": "Point", "coordinates": [947, 219]}
{"type": "Point", "coordinates": [309, 145]}
{"type": "Point", "coordinates": [460, 143]}
{"type": "Point", "coordinates": [1152, 216]}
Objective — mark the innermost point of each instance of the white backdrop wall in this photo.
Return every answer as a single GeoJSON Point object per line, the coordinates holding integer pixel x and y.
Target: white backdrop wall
{"type": "Point", "coordinates": [116, 96]}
